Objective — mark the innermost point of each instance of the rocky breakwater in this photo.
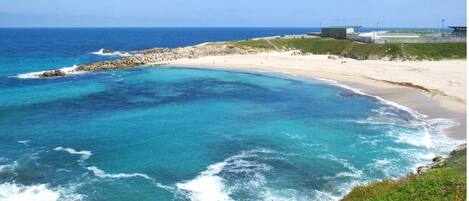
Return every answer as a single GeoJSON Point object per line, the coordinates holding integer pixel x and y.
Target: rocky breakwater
{"type": "Point", "coordinates": [157, 56]}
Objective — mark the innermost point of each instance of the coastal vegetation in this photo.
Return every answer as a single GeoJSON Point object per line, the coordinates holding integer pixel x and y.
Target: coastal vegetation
{"type": "Point", "coordinates": [362, 51]}
{"type": "Point", "coordinates": [445, 181]}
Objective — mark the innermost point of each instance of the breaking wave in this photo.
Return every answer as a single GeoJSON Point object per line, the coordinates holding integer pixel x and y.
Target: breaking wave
{"type": "Point", "coordinates": [243, 173]}
{"type": "Point", "coordinates": [425, 137]}
{"type": "Point", "coordinates": [210, 186]}
{"type": "Point", "coordinates": [35, 75]}
{"type": "Point", "coordinates": [101, 174]}
{"type": "Point", "coordinates": [84, 155]}
{"type": "Point", "coordinates": [8, 167]}
{"type": "Point", "coordinates": [103, 52]}
{"type": "Point", "coordinates": [37, 192]}
{"type": "Point", "coordinates": [25, 142]}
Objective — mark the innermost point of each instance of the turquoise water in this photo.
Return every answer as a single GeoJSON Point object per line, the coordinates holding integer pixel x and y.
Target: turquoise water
{"type": "Point", "coordinates": [195, 134]}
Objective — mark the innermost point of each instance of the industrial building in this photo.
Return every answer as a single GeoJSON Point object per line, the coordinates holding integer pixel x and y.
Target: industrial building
{"type": "Point", "coordinates": [380, 37]}
{"type": "Point", "coordinates": [338, 32]}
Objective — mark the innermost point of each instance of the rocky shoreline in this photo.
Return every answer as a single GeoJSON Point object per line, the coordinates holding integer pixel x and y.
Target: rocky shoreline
{"type": "Point", "coordinates": [157, 56]}
{"type": "Point", "coordinates": [439, 161]}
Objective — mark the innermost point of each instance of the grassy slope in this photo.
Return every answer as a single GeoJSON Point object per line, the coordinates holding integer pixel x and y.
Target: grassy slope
{"type": "Point", "coordinates": [347, 48]}
{"type": "Point", "coordinates": [443, 183]}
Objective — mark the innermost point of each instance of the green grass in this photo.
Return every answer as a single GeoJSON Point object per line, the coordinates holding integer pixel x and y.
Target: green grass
{"type": "Point", "coordinates": [436, 51]}
{"type": "Point", "coordinates": [444, 183]}
{"type": "Point", "coordinates": [351, 49]}
{"type": "Point", "coordinates": [262, 44]}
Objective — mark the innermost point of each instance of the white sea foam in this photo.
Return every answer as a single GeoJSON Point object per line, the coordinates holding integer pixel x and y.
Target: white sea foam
{"type": "Point", "coordinates": [355, 176]}
{"type": "Point", "coordinates": [207, 186]}
{"type": "Point", "coordinates": [84, 155]}
{"type": "Point", "coordinates": [114, 53]}
{"type": "Point", "coordinates": [293, 136]}
{"type": "Point", "coordinates": [286, 195]}
{"type": "Point", "coordinates": [415, 156]}
{"type": "Point", "coordinates": [8, 167]}
{"type": "Point", "coordinates": [210, 186]}
{"type": "Point", "coordinates": [430, 133]}
{"type": "Point", "coordinates": [102, 174]}
{"type": "Point", "coordinates": [38, 192]}
{"type": "Point", "coordinates": [13, 192]}
{"type": "Point", "coordinates": [391, 103]}
{"type": "Point", "coordinates": [390, 168]}
{"type": "Point", "coordinates": [324, 196]}
{"type": "Point", "coordinates": [353, 171]}
{"type": "Point", "coordinates": [25, 142]}
{"type": "Point", "coordinates": [72, 70]}
{"type": "Point", "coordinates": [425, 133]}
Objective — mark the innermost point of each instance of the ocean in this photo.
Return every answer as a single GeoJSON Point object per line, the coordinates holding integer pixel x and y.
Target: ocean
{"type": "Point", "coordinates": [167, 133]}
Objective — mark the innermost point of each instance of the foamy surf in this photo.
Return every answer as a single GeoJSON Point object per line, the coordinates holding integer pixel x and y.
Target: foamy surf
{"type": "Point", "coordinates": [210, 186]}
{"type": "Point", "coordinates": [427, 133]}
{"type": "Point", "coordinates": [207, 186]}
{"type": "Point", "coordinates": [8, 167]}
{"type": "Point", "coordinates": [103, 52]}
{"type": "Point", "coordinates": [102, 174]}
{"type": "Point", "coordinates": [37, 192]}
{"type": "Point", "coordinates": [425, 137]}
{"type": "Point", "coordinates": [24, 142]}
{"type": "Point", "coordinates": [84, 155]}
{"type": "Point", "coordinates": [35, 75]}
{"type": "Point", "coordinates": [431, 134]}
{"type": "Point", "coordinates": [249, 175]}
{"type": "Point", "coordinates": [382, 100]}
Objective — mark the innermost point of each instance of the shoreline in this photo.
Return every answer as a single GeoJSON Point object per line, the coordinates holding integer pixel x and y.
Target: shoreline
{"type": "Point", "coordinates": [390, 95]}
{"type": "Point", "coordinates": [433, 106]}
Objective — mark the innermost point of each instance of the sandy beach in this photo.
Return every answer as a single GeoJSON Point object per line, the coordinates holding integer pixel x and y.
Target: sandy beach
{"type": "Point", "coordinates": [433, 88]}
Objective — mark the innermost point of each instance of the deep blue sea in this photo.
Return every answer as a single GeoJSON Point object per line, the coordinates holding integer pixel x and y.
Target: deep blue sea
{"type": "Point", "coordinates": [166, 133]}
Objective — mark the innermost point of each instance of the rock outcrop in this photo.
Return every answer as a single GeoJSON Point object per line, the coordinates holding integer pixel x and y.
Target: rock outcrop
{"type": "Point", "coordinates": [104, 51]}
{"type": "Point", "coordinates": [54, 73]}
{"type": "Point", "coordinates": [439, 161]}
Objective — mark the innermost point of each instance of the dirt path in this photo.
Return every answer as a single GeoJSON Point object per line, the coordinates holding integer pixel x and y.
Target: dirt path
{"type": "Point", "coordinates": [273, 45]}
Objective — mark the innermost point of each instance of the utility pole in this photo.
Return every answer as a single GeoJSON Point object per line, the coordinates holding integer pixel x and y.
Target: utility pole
{"type": "Point", "coordinates": [442, 27]}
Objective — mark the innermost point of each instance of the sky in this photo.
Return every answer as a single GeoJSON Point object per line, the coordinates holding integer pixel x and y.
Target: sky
{"type": "Point", "coordinates": [233, 13]}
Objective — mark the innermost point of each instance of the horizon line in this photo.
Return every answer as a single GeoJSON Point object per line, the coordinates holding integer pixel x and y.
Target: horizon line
{"type": "Point", "coordinates": [208, 27]}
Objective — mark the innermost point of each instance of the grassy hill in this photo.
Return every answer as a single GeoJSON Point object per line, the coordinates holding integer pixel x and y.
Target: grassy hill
{"type": "Point", "coordinates": [357, 50]}
{"type": "Point", "coordinates": [447, 182]}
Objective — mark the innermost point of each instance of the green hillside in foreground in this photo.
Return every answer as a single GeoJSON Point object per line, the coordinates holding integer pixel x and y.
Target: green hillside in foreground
{"type": "Point", "coordinates": [447, 182]}
{"type": "Point", "coordinates": [357, 50]}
